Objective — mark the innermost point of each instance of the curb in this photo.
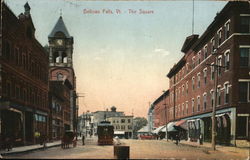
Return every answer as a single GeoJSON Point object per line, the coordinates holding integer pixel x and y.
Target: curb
{"type": "Point", "coordinates": [196, 146]}
{"type": "Point", "coordinates": [29, 150]}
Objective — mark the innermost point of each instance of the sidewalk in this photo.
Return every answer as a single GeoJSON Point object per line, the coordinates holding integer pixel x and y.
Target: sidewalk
{"type": "Point", "coordinates": [228, 149]}
{"type": "Point", "coordinates": [23, 149]}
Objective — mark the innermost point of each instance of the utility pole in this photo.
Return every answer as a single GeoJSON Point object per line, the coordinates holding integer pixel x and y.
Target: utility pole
{"type": "Point", "coordinates": [165, 104]}
{"type": "Point", "coordinates": [216, 67]}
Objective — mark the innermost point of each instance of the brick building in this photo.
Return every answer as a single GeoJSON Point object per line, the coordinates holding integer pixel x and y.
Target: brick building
{"type": "Point", "coordinates": [161, 105]}
{"type": "Point", "coordinates": [59, 101]}
{"type": "Point", "coordinates": [23, 79]}
{"type": "Point", "coordinates": [226, 42]}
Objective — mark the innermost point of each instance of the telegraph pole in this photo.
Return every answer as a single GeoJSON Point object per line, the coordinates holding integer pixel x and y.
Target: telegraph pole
{"type": "Point", "coordinates": [165, 104]}
{"type": "Point", "coordinates": [216, 67]}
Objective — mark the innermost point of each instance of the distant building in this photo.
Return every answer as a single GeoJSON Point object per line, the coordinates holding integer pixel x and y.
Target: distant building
{"type": "Point", "coordinates": [24, 86]}
{"type": "Point", "coordinates": [103, 115]}
{"type": "Point", "coordinates": [123, 125]}
{"type": "Point", "coordinates": [86, 124]}
{"type": "Point", "coordinates": [161, 105]}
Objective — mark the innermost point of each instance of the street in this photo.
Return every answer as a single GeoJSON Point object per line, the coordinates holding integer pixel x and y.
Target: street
{"type": "Point", "coordinates": [139, 149]}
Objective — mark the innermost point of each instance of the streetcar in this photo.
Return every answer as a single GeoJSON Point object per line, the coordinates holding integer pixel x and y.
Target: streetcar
{"type": "Point", "coordinates": [105, 132]}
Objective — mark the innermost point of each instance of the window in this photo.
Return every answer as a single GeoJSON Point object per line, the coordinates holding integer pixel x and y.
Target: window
{"type": "Point", "coordinates": [245, 24]}
{"type": "Point", "coordinates": [129, 120]}
{"type": "Point", "coordinates": [227, 62]}
{"type": "Point", "coordinates": [212, 98]}
{"type": "Point", "coordinates": [179, 92]}
{"type": "Point", "coordinates": [241, 129]}
{"type": "Point", "coordinates": [204, 101]}
{"type": "Point", "coordinates": [212, 71]}
{"type": "Point", "coordinates": [187, 107]}
{"type": "Point", "coordinates": [220, 37]}
{"type": "Point", "coordinates": [183, 88]}
{"type": "Point", "coordinates": [122, 120]}
{"type": "Point", "coordinates": [60, 76]}
{"type": "Point", "coordinates": [193, 62]}
{"type": "Point", "coordinates": [199, 57]}
{"type": "Point", "coordinates": [183, 109]}
{"type": "Point", "coordinates": [192, 105]}
{"type": "Point", "coordinates": [193, 81]}
{"type": "Point", "coordinates": [244, 57]}
{"type": "Point", "coordinates": [227, 30]}
{"type": "Point", "coordinates": [219, 95]}
{"type": "Point", "coordinates": [187, 87]}
{"type": "Point", "coordinates": [219, 64]}
{"type": "Point", "coordinates": [205, 75]}
{"type": "Point", "coordinates": [244, 91]}
{"type": "Point", "coordinates": [213, 45]}
{"type": "Point", "coordinates": [205, 52]}
{"type": "Point", "coordinates": [187, 67]}
{"type": "Point", "coordinates": [198, 80]}
{"type": "Point", "coordinates": [198, 104]}
{"type": "Point", "coordinates": [226, 93]}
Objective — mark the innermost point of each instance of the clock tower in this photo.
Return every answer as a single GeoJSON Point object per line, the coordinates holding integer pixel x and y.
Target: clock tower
{"type": "Point", "coordinates": [60, 53]}
{"type": "Point", "coordinates": [61, 69]}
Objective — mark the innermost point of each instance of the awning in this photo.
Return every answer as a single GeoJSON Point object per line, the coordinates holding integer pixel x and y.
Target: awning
{"type": "Point", "coordinates": [157, 130]}
{"type": "Point", "coordinates": [170, 127]}
{"type": "Point", "coordinates": [119, 132]}
{"type": "Point", "coordinates": [182, 124]}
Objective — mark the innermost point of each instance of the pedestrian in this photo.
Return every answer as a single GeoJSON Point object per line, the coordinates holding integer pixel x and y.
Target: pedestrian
{"type": "Point", "coordinates": [201, 139]}
{"type": "Point", "coordinates": [83, 139]}
{"type": "Point", "coordinates": [177, 138]}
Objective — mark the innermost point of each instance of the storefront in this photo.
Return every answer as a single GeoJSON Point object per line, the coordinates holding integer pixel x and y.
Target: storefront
{"type": "Point", "coordinates": [201, 126]}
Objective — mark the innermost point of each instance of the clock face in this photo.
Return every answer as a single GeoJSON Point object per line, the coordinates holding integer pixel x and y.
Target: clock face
{"type": "Point", "coordinates": [59, 42]}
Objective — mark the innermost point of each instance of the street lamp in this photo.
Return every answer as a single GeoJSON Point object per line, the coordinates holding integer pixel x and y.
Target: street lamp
{"type": "Point", "coordinates": [216, 67]}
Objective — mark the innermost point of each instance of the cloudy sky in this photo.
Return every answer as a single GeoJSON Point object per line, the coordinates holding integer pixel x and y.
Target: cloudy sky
{"type": "Point", "coordinates": [121, 59]}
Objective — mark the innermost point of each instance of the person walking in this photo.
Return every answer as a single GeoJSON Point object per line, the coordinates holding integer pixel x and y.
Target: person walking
{"type": "Point", "coordinates": [83, 139]}
{"type": "Point", "coordinates": [201, 139]}
{"type": "Point", "coordinates": [177, 138]}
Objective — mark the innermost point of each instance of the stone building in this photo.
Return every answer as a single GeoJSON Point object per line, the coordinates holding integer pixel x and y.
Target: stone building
{"type": "Point", "coordinates": [226, 42]}
{"type": "Point", "coordinates": [123, 125]}
{"type": "Point", "coordinates": [23, 79]}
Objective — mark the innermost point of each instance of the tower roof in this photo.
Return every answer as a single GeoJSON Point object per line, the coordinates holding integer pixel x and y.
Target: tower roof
{"type": "Point", "coordinates": [60, 27]}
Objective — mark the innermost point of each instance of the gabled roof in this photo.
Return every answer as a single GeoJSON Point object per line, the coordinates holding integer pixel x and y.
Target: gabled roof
{"type": "Point", "coordinates": [60, 27]}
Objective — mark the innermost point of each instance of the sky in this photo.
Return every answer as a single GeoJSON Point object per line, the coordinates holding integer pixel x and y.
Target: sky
{"type": "Point", "coordinates": [121, 59]}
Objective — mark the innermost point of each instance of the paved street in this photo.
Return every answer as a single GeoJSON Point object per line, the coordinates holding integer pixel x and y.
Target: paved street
{"type": "Point", "coordinates": [139, 149]}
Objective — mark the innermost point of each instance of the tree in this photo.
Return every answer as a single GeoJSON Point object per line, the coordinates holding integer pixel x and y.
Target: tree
{"type": "Point", "coordinates": [138, 123]}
